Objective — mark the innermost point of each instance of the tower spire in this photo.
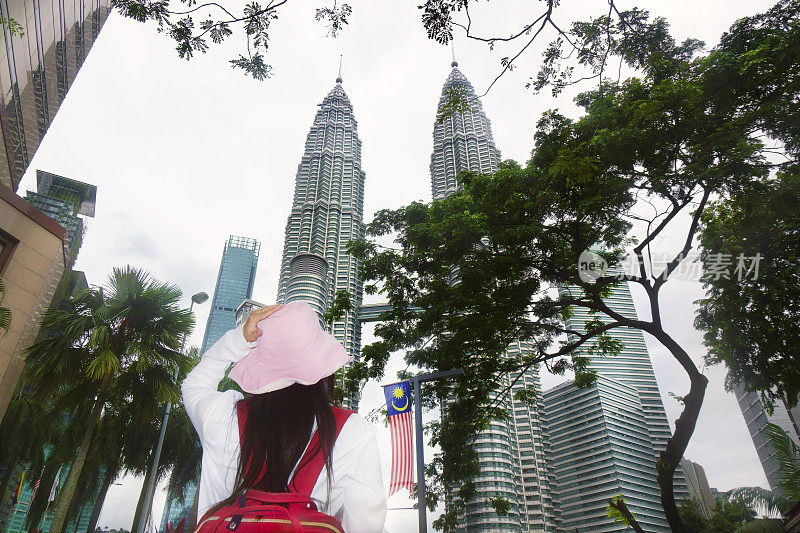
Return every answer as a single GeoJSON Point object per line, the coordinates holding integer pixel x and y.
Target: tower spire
{"type": "Point", "coordinates": [454, 64]}
{"type": "Point", "coordinates": [339, 78]}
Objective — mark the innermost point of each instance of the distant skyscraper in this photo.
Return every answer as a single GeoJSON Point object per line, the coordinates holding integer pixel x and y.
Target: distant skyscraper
{"type": "Point", "coordinates": [755, 416]}
{"type": "Point", "coordinates": [510, 453]}
{"type": "Point", "coordinates": [237, 274]}
{"type": "Point", "coordinates": [63, 199]}
{"type": "Point", "coordinates": [600, 448]}
{"type": "Point", "coordinates": [697, 483]}
{"type": "Point", "coordinates": [38, 69]}
{"type": "Point", "coordinates": [327, 211]}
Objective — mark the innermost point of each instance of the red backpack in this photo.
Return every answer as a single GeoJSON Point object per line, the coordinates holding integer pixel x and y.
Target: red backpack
{"type": "Point", "coordinates": [262, 512]}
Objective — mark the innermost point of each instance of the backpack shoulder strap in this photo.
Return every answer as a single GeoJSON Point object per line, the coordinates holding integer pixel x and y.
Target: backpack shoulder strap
{"type": "Point", "coordinates": [311, 466]}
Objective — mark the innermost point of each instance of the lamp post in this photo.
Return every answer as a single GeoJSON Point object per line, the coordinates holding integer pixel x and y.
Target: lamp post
{"type": "Point", "coordinates": [198, 298]}
{"type": "Point", "coordinates": [417, 381]}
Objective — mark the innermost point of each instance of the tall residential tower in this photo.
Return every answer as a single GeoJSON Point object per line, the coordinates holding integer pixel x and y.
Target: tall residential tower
{"type": "Point", "coordinates": [510, 453]}
{"type": "Point", "coordinates": [327, 211]}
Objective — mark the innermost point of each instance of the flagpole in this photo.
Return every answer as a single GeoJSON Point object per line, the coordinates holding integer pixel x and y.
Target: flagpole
{"type": "Point", "coordinates": [417, 380]}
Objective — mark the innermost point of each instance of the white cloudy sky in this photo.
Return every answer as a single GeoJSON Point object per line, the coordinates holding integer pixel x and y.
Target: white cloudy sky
{"type": "Point", "coordinates": [185, 154]}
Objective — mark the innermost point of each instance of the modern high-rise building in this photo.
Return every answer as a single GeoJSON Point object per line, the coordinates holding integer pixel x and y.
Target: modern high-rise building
{"type": "Point", "coordinates": [37, 69]}
{"type": "Point", "coordinates": [511, 453]}
{"type": "Point", "coordinates": [237, 274]}
{"type": "Point", "coordinates": [756, 416]}
{"type": "Point", "coordinates": [631, 367]}
{"type": "Point", "coordinates": [327, 212]}
{"type": "Point", "coordinates": [699, 489]}
{"type": "Point", "coordinates": [601, 448]}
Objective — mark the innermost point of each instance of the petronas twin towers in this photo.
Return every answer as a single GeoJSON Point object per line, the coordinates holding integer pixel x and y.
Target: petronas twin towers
{"type": "Point", "coordinates": [515, 456]}
{"type": "Point", "coordinates": [327, 211]}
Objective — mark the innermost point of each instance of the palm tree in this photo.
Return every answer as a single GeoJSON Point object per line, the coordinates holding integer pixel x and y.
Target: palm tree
{"type": "Point", "coordinates": [120, 342]}
{"type": "Point", "coordinates": [787, 454]}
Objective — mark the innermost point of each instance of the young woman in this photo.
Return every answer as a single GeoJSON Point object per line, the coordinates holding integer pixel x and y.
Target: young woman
{"type": "Point", "coordinates": [283, 358]}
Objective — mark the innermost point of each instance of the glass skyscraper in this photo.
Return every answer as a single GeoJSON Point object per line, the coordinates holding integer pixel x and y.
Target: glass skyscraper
{"type": "Point", "coordinates": [511, 453]}
{"type": "Point", "coordinates": [601, 447]}
{"type": "Point", "coordinates": [327, 211]}
{"type": "Point", "coordinates": [237, 274]}
{"type": "Point", "coordinates": [37, 69]}
{"type": "Point", "coordinates": [630, 368]}
{"type": "Point", "coordinates": [756, 416]}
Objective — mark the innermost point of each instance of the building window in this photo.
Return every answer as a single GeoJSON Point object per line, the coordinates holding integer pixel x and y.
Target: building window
{"type": "Point", "coordinates": [7, 245]}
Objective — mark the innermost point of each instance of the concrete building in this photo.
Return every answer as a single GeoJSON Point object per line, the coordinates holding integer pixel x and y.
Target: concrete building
{"type": "Point", "coordinates": [511, 453]}
{"type": "Point", "coordinates": [37, 69]}
{"type": "Point", "coordinates": [601, 447]}
{"type": "Point", "coordinates": [327, 211]}
{"type": "Point", "coordinates": [32, 261]}
{"type": "Point", "coordinates": [756, 416]}
{"type": "Point", "coordinates": [697, 483]}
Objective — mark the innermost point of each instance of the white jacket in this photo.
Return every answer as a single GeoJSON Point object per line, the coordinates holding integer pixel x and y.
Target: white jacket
{"type": "Point", "coordinates": [357, 497]}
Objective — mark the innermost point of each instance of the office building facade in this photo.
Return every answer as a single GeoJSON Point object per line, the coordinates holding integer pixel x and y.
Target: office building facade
{"type": "Point", "coordinates": [601, 447]}
{"type": "Point", "coordinates": [237, 274]}
{"type": "Point", "coordinates": [756, 416]}
{"type": "Point", "coordinates": [327, 211]}
{"type": "Point", "coordinates": [37, 69]}
{"type": "Point", "coordinates": [511, 453]}
{"type": "Point", "coordinates": [699, 489]}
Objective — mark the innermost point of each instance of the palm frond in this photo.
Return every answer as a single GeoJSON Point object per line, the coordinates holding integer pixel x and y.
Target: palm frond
{"type": "Point", "coordinates": [762, 500]}
{"type": "Point", "coordinates": [788, 455]}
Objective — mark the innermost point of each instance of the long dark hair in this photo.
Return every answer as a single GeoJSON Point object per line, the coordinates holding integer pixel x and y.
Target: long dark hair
{"type": "Point", "coordinates": [276, 433]}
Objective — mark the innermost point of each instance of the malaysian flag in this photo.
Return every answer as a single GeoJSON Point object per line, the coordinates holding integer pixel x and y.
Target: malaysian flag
{"type": "Point", "coordinates": [398, 406]}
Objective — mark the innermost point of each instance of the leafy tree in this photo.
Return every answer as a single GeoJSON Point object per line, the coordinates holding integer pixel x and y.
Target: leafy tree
{"type": "Point", "coordinates": [117, 342]}
{"type": "Point", "coordinates": [763, 220]}
{"type": "Point", "coordinates": [685, 131]}
{"type": "Point", "coordinates": [729, 514]}
{"type": "Point", "coordinates": [691, 516]}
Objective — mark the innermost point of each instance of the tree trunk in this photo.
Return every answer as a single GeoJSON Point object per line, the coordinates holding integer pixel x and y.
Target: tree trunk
{"type": "Point", "coordinates": [684, 428]}
{"type": "Point", "coordinates": [71, 484]}
{"type": "Point", "coordinates": [6, 480]}
{"type": "Point", "coordinates": [620, 505]}
{"type": "Point", "coordinates": [108, 479]}
{"type": "Point", "coordinates": [193, 517]}
{"type": "Point", "coordinates": [139, 505]}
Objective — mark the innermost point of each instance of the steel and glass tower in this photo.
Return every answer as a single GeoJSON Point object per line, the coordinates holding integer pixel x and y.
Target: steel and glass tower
{"type": "Point", "coordinates": [631, 368]}
{"type": "Point", "coordinates": [327, 211]}
{"type": "Point", "coordinates": [601, 447]}
{"type": "Point", "coordinates": [37, 69]}
{"type": "Point", "coordinates": [756, 417]}
{"type": "Point", "coordinates": [511, 453]}
{"type": "Point", "coordinates": [237, 273]}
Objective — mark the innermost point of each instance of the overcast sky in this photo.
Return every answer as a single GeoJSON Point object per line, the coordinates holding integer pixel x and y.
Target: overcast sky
{"type": "Point", "coordinates": [185, 154]}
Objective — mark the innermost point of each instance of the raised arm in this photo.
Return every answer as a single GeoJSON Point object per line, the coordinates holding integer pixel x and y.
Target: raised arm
{"type": "Point", "coordinates": [211, 411]}
{"type": "Point", "coordinates": [206, 406]}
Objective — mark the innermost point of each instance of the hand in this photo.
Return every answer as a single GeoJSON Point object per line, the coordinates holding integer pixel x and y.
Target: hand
{"type": "Point", "coordinates": [250, 329]}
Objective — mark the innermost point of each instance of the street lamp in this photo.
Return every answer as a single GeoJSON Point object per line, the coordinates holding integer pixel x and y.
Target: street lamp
{"type": "Point", "coordinates": [199, 298]}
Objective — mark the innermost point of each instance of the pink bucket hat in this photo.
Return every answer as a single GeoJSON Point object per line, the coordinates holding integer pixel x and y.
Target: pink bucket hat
{"type": "Point", "coordinates": [293, 348]}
